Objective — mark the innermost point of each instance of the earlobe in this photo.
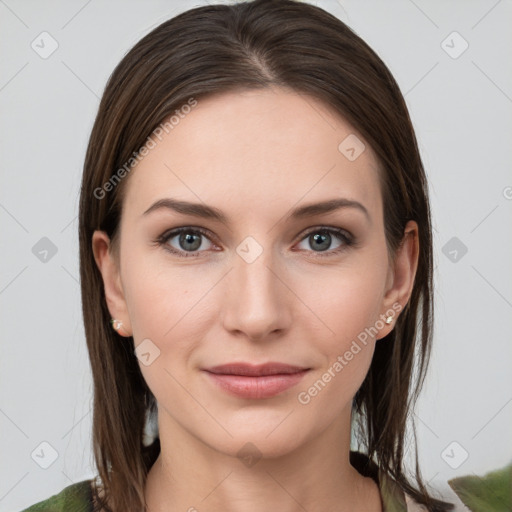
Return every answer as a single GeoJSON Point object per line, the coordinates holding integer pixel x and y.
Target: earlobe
{"type": "Point", "coordinates": [403, 273]}
{"type": "Point", "coordinates": [117, 325]}
{"type": "Point", "coordinates": [114, 294]}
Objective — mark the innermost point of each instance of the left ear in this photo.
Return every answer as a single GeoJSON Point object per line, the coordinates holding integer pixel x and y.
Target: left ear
{"type": "Point", "coordinates": [401, 276]}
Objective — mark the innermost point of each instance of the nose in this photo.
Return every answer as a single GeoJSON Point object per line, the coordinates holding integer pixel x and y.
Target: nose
{"type": "Point", "coordinates": [257, 300]}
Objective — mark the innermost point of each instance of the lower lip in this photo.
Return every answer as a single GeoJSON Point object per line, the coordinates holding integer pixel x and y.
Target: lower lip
{"type": "Point", "coordinates": [265, 386]}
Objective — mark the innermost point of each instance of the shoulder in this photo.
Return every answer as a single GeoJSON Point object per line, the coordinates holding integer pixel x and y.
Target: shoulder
{"type": "Point", "coordinates": [73, 498]}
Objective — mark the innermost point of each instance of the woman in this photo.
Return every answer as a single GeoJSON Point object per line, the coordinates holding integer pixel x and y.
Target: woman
{"type": "Point", "coordinates": [229, 143]}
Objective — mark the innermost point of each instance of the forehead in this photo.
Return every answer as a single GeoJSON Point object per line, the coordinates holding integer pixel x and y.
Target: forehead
{"type": "Point", "coordinates": [260, 151]}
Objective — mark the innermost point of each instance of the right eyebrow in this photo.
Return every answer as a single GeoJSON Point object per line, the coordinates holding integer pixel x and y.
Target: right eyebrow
{"type": "Point", "coordinates": [187, 208]}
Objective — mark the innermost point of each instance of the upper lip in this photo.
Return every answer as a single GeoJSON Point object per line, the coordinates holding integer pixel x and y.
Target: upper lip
{"type": "Point", "coordinates": [252, 370]}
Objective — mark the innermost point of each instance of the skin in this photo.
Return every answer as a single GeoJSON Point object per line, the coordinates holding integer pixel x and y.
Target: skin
{"type": "Point", "coordinates": [255, 155]}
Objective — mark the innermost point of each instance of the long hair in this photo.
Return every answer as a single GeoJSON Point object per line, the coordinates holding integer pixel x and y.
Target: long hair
{"type": "Point", "coordinates": [219, 48]}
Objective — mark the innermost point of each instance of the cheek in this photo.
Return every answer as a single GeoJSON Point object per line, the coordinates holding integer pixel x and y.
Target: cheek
{"type": "Point", "coordinates": [159, 293]}
{"type": "Point", "coordinates": [348, 303]}
{"type": "Point", "coordinates": [347, 300]}
{"type": "Point", "coordinates": [171, 305]}
{"type": "Point", "coordinates": [351, 307]}
{"type": "Point", "coordinates": [164, 307]}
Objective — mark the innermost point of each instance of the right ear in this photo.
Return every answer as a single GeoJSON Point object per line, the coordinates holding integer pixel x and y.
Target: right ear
{"type": "Point", "coordinates": [114, 294]}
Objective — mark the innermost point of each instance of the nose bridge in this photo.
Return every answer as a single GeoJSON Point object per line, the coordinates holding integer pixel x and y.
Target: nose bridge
{"type": "Point", "coordinates": [253, 276]}
{"type": "Point", "coordinates": [256, 304]}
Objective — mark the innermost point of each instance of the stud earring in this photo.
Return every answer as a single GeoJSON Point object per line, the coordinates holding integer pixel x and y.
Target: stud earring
{"type": "Point", "coordinates": [116, 324]}
{"type": "Point", "coordinates": [389, 320]}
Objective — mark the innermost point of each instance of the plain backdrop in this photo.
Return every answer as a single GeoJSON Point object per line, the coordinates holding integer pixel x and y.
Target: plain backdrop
{"type": "Point", "coordinates": [452, 61]}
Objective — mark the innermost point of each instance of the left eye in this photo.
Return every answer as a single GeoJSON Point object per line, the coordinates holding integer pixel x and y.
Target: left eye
{"type": "Point", "coordinates": [190, 241]}
{"type": "Point", "coordinates": [320, 240]}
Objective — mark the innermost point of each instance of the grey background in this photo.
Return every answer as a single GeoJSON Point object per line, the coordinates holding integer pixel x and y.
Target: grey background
{"type": "Point", "coordinates": [461, 108]}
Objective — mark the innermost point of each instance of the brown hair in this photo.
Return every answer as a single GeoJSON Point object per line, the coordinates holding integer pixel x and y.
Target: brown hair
{"type": "Point", "coordinates": [219, 48]}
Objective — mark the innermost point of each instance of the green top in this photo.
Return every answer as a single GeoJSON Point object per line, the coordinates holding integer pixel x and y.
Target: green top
{"type": "Point", "coordinates": [78, 497]}
{"type": "Point", "coordinates": [74, 498]}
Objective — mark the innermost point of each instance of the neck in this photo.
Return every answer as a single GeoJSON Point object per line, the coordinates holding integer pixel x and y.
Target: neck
{"type": "Point", "coordinates": [317, 476]}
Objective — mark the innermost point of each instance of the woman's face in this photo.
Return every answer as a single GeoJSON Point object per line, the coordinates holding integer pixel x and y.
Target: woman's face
{"type": "Point", "coordinates": [253, 278]}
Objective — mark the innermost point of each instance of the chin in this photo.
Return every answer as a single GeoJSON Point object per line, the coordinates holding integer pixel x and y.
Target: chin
{"type": "Point", "coordinates": [259, 434]}
{"type": "Point", "coordinates": [250, 446]}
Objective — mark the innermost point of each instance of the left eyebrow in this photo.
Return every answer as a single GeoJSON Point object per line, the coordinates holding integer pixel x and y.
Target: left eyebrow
{"type": "Point", "coordinates": [210, 212]}
{"type": "Point", "coordinates": [312, 209]}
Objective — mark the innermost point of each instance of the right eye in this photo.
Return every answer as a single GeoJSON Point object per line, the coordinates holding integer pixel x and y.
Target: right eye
{"type": "Point", "coordinates": [184, 242]}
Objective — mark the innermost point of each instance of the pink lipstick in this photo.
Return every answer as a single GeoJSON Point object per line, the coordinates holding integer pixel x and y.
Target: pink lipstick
{"type": "Point", "coordinates": [256, 381]}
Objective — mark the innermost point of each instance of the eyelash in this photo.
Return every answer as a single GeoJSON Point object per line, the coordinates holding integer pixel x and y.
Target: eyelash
{"type": "Point", "coordinates": [347, 239]}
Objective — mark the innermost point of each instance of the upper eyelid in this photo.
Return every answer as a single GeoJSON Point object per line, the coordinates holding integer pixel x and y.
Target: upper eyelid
{"type": "Point", "coordinates": [326, 228]}
{"type": "Point", "coordinates": [171, 233]}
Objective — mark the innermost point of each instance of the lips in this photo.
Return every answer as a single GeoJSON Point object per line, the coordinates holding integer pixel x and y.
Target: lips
{"type": "Point", "coordinates": [256, 381]}
{"type": "Point", "coordinates": [246, 369]}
